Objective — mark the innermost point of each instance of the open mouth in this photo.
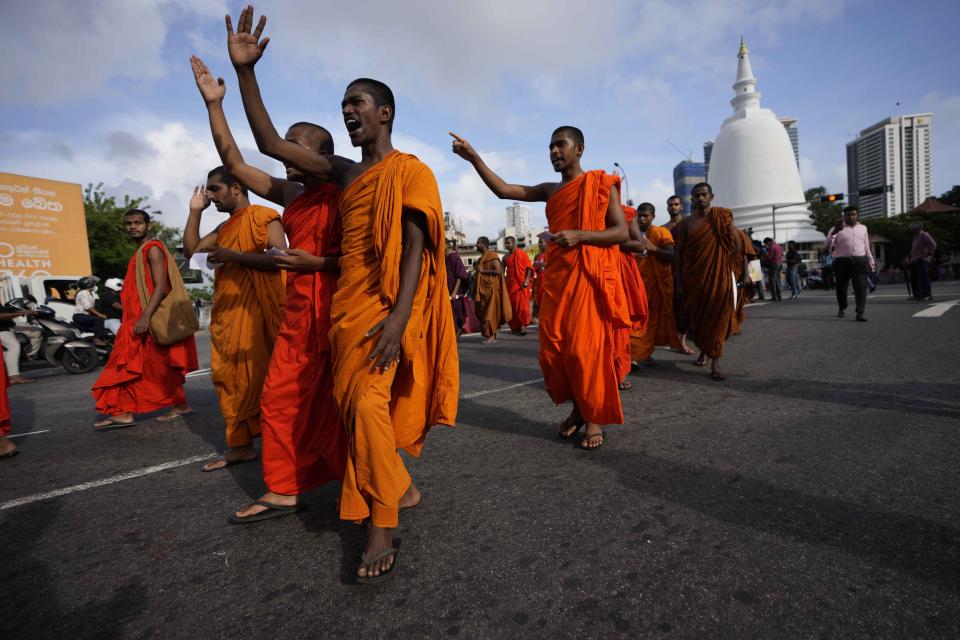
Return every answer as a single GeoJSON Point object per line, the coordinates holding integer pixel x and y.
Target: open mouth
{"type": "Point", "coordinates": [351, 123]}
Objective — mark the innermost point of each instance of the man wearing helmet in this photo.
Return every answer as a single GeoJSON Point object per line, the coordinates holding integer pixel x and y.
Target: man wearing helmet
{"type": "Point", "coordinates": [86, 316]}
{"type": "Point", "coordinates": [110, 306]}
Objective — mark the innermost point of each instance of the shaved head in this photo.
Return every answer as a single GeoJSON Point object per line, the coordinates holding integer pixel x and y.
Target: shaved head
{"type": "Point", "coordinates": [381, 93]}
{"type": "Point", "coordinates": [319, 138]}
{"type": "Point", "coordinates": [570, 132]}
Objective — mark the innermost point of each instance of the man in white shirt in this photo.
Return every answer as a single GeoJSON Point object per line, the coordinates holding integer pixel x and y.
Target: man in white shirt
{"type": "Point", "coordinates": [86, 316]}
{"type": "Point", "coordinates": [849, 243]}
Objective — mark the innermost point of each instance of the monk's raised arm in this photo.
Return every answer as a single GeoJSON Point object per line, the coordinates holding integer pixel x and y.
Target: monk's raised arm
{"type": "Point", "coordinates": [192, 242]}
{"type": "Point", "coordinates": [499, 186]}
{"type": "Point", "coordinates": [254, 179]}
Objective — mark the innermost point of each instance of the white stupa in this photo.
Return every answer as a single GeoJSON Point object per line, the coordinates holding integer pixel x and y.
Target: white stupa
{"type": "Point", "coordinates": [752, 167]}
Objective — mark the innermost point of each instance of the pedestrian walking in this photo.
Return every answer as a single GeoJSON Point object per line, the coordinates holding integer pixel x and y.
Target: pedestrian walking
{"type": "Point", "coordinates": [793, 269]}
{"type": "Point", "coordinates": [772, 262]}
{"type": "Point", "coordinates": [921, 253]}
{"type": "Point", "coordinates": [852, 260]}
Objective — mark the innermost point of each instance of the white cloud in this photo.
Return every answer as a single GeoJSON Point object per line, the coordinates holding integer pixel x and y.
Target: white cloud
{"type": "Point", "coordinates": [808, 173]}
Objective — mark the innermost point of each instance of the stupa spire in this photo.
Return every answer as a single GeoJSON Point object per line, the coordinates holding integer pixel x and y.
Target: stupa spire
{"type": "Point", "coordinates": [746, 95]}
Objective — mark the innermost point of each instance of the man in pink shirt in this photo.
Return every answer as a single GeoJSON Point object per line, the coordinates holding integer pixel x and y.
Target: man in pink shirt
{"type": "Point", "coordinates": [771, 262]}
{"type": "Point", "coordinates": [921, 252]}
{"type": "Point", "coordinates": [852, 259]}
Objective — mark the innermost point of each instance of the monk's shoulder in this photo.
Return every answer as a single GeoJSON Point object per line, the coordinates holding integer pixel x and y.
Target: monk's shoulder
{"type": "Point", "coordinates": [264, 215]}
{"type": "Point", "coordinates": [663, 236]}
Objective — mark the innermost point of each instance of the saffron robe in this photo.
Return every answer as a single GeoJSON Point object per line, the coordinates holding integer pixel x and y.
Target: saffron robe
{"type": "Point", "coordinates": [539, 266]}
{"type": "Point", "coordinates": [142, 376]}
{"type": "Point", "coordinates": [492, 296]}
{"type": "Point", "coordinates": [658, 279]}
{"type": "Point", "coordinates": [683, 323]}
{"type": "Point", "coordinates": [749, 253]}
{"type": "Point", "coordinates": [583, 304]}
{"type": "Point", "coordinates": [636, 293]}
{"type": "Point", "coordinates": [246, 315]}
{"type": "Point", "coordinates": [304, 442]}
{"type": "Point", "coordinates": [4, 402]}
{"type": "Point", "coordinates": [517, 264]}
{"type": "Point", "coordinates": [711, 255]}
{"type": "Point", "coordinates": [389, 410]}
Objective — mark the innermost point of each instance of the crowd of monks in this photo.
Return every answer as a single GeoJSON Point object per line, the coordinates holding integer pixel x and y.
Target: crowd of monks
{"type": "Point", "coordinates": [333, 337]}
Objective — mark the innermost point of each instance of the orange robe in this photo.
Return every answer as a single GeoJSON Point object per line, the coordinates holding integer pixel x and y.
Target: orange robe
{"type": "Point", "coordinates": [304, 442]}
{"type": "Point", "coordinates": [142, 376]}
{"type": "Point", "coordinates": [749, 253]}
{"type": "Point", "coordinates": [658, 279]}
{"type": "Point", "coordinates": [539, 266]}
{"type": "Point", "coordinates": [492, 296]}
{"type": "Point", "coordinates": [245, 319]}
{"type": "Point", "coordinates": [4, 402]}
{"type": "Point", "coordinates": [583, 304]}
{"type": "Point", "coordinates": [517, 264]}
{"type": "Point", "coordinates": [636, 302]}
{"type": "Point", "coordinates": [710, 257]}
{"type": "Point", "coordinates": [391, 410]}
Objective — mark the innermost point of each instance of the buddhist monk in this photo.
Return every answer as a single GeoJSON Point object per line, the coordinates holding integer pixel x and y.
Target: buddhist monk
{"type": "Point", "coordinates": [707, 258]}
{"type": "Point", "coordinates": [675, 211]}
{"type": "Point", "coordinates": [303, 440]}
{"type": "Point", "coordinates": [539, 266]}
{"type": "Point", "coordinates": [248, 292]}
{"type": "Point", "coordinates": [583, 297]}
{"type": "Point", "coordinates": [654, 254]}
{"type": "Point", "coordinates": [519, 274]}
{"type": "Point", "coordinates": [141, 375]}
{"type": "Point", "coordinates": [7, 448]}
{"type": "Point", "coordinates": [396, 370]}
{"type": "Point", "coordinates": [636, 293]}
{"type": "Point", "coordinates": [492, 296]}
{"type": "Point", "coordinates": [458, 283]}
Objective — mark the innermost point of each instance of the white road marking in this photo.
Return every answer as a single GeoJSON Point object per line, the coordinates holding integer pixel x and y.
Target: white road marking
{"type": "Point", "coordinates": [756, 304]}
{"type": "Point", "coordinates": [477, 394]}
{"type": "Point", "coordinates": [937, 309]}
{"type": "Point", "coordinates": [198, 372]}
{"type": "Point", "coordinates": [100, 483]}
{"type": "Point", "coordinates": [29, 433]}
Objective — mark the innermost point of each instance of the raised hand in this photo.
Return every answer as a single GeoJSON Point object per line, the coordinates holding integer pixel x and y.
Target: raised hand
{"type": "Point", "coordinates": [462, 148]}
{"type": "Point", "coordinates": [199, 200]}
{"type": "Point", "coordinates": [211, 90]}
{"type": "Point", "coordinates": [244, 46]}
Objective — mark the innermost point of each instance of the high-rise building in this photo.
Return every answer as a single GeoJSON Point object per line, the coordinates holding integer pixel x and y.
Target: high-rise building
{"type": "Point", "coordinates": [790, 124]}
{"type": "Point", "coordinates": [707, 152]}
{"type": "Point", "coordinates": [889, 166]}
{"type": "Point", "coordinates": [518, 217]}
{"type": "Point", "coordinates": [685, 176]}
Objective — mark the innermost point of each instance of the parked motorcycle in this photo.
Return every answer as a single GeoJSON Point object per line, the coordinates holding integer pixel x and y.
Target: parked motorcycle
{"type": "Point", "coordinates": [62, 344]}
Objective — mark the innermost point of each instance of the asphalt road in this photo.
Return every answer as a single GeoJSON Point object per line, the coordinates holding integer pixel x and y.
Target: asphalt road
{"type": "Point", "coordinates": [815, 494]}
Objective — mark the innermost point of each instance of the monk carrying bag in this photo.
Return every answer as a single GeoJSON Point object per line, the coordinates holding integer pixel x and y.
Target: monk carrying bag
{"type": "Point", "coordinates": [175, 318]}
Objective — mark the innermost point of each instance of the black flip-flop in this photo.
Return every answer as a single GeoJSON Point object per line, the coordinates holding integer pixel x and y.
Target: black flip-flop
{"type": "Point", "coordinates": [170, 417]}
{"type": "Point", "coordinates": [603, 440]}
{"type": "Point", "coordinates": [114, 424]}
{"type": "Point", "coordinates": [10, 454]}
{"type": "Point", "coordinates": [565, 425]}
{"type": "Point", "coordinates": [716, 377]}
{"type": "Point", "coordinates": [272, 511]}
{"type": "Point", "coordinates": [384, 575]}
{"type": "Point", "coordinates": [228, 463]}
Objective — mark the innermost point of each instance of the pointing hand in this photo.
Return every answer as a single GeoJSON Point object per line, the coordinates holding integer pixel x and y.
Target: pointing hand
{"type": "Point", "coordinates": [462, 148]}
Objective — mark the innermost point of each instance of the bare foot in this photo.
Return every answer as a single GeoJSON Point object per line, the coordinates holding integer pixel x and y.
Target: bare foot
{"type": "Point", "coordinates": [20, 380]}
{"type": "Point", "coordinates": [715, 370]}
{"type": "Point", "coordinates": [235, 455]}
{"type": "Point", "coordinates": [271, 497]}
{"type": "Point", "coordinates": [378, 541]}
{"type": "Point", "coordinates": [701, 359]}
{"type": "Point", "coordinates": [593, 437]}
{"type": "Point", "coordinates": [177, 412]}
{"type": "Point", "coordinates": [570, 426]}
{"type": "Point", "coordinates": [121, 418]}
{"type": "Point", "coordinates": [7, 448]}
{"type": "Point", "coordinates": [411, 497]}
{"type": "Point", "coordinates": [490, 340]}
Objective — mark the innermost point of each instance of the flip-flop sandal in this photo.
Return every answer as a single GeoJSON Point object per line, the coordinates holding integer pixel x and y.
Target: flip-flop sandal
{"type": "Point", "coordinates": [170, 417]}
{"type": "Point", "coordinates": [717, 377]}
{"type": "Point", "coordinates": [567, 425]}
{"type": "Point", "coordinates": [272, 511]}
{"type": "Point", "coordinates": [228, 463]}
{"type": "Point", "coordinates": [384, 575]}
{"type": "Point", "coordinates": [700, 363]}
{"type": "Point", "coordinates": [603, 440]}
{"type": "Point", "coordinates": [114, 424]}
{"type": "Point", "coordinates": [10, 454]}
{"type": "Point", "coordinates": [625, 385]}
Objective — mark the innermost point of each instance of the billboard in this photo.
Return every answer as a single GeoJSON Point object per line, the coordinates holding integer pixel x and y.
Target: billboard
{"type": "Point", "coordinates": [43, 230]}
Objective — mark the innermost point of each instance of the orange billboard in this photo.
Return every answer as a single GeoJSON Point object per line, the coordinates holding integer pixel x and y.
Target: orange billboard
{"type": "Point", "coordinates": [43, 230]}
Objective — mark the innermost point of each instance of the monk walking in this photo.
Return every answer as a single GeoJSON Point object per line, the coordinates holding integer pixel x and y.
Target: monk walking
{"type": "Point", "coordinates": [539, 266]}
{"type": "Point", "coordinates": [492, 296]}
{"type": "Point", "coordinates": [708, 256]}
{"type": "Point", "coordinates": [654, 254]}
{"type": "Point", "coordinates": [675, 211]}
{"type": "Point", "coordinates": [519, 275]}
{"type": "Point", "coordinates": [637, 303]}
{"type": "Point", "coordinates": [304, 443]}
{"type": "Point", "coordinates": [583, 297]}
{"type": "Point", "coordinates": [141, 375]}
{"type": "Point", "coordinates": [396, 370]}
{"type": "Point", "coordinates": [248, 292]}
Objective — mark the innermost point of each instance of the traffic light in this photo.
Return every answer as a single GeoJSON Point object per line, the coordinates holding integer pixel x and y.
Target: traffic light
{"type": "Point", "coordinates": [832, 197]}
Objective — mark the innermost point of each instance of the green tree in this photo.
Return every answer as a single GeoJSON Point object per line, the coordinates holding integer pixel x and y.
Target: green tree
{"type": "Point", "coordinates": [110, 250]}
{"type": "Point", "coordinates": [823, 215]}
{"type": "Point", "coordinates": [951, 197]}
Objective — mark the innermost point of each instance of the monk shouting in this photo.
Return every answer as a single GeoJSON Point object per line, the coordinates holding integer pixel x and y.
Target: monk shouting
{"type": "Point", "coordinates": [248, 292]}
{"type": "Point", "coordinates": [304, 443]}
{"type": "Point", "coordinates": [141, 375]}
{"type": "Point", "coordinates": [492, 296]}
{"type": "Point", "coordinates": [708, 256]}
{"type": "Point", "coordinates": [396, 370]}
{"type": "Point", "coordinates": [583, 297]}
{"type": "Point", "coordinates": [519, 275]}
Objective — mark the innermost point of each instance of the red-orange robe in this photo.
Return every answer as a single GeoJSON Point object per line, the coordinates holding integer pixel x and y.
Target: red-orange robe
{"type": "Point", "coordinates": [658, 278]}
{"type": "Point", "coordinates": [517, 264]}
{"type": "Point", "coordinates": [583, 304]}
{"type": "Point", "coordinates": [4, 402]}
{"type": "Point", "coordinates": [244, 321]}
{"type": "Point", "coordinates": [389, 410]}
{"type": "Point", "coordinates": [142, 376]}
{"type": "Point", "coordinates": [539, 266]}
{"type": "Point", "coordinates": [711, 258]}
{"type": "Point", "coordinates": [636, 303]}
{"type": "Point", "coordinates": [304, 442]}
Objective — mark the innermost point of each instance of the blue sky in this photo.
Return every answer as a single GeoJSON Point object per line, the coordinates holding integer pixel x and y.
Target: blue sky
{"type": "Point", "coordinates": [101, 90]}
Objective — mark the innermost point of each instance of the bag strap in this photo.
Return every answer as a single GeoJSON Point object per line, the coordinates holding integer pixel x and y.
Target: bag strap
{"type": "Point", "coordinates": [141, 278]}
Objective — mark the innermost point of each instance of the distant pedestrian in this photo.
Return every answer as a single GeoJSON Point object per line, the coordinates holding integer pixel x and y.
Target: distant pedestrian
{"type": "Point", "coordinates": [772, 262]}
{"type": "Point", "coordinates": [110, 305]}
{"type": "Point", "coordinates": [86, 316]}
{"type": "Point", "coordinates": [921, 253]}
{"type": "Point", "coordinates": [850, 244]}
{"type": "Point", "coordinates": [793, 269]}
{"type": "Point", "coordinates": [826, 269]}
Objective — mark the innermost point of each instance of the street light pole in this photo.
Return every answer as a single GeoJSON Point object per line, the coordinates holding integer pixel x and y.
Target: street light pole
{"type": "Point", "coordinates": [773, 212]}
{"type": "Point", "coordinates": [626, 185]}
